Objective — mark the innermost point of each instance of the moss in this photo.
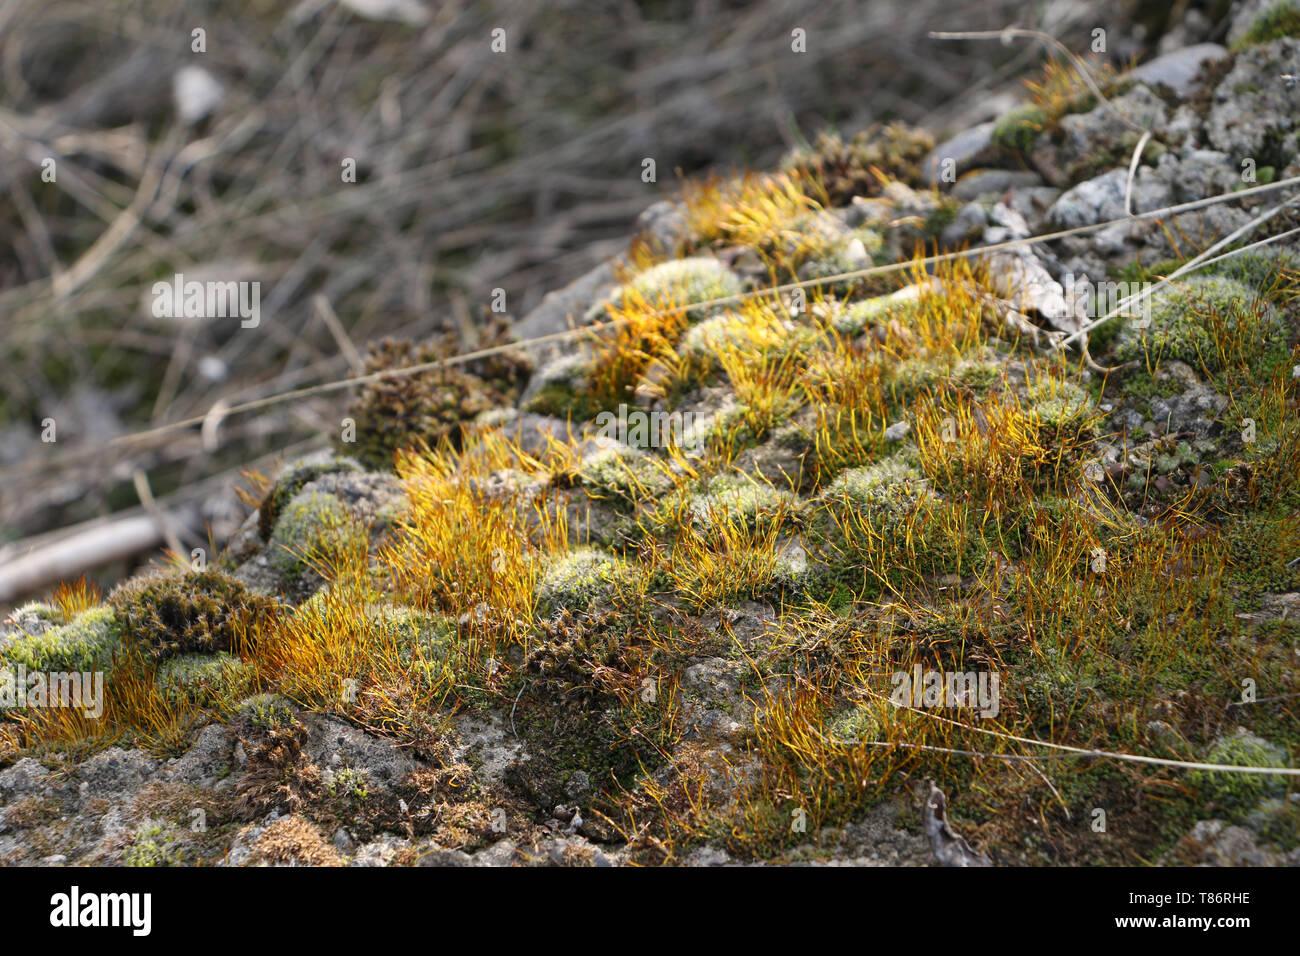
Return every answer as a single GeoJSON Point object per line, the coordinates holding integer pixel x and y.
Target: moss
{"type": "Point", "coordinates": [703, 341]}
{"type": "Point", "coordinates": [912, 376]}
{"type": "Point", "coordinates": [560, 389]}
{"type": "Point", "coordinates": [580, 579]}
{"type": "Point", "coordinates": [187, 612]}
{"type": "Point", "coordinates": [1180, 326]}
{"type": "Point", "coordinates": [857, 317]}
{"type": "Point", "coordinates": [740, 499]}
{"type": "Point", "coordinates": [857, 250]}
{"type": "Point", "coordinates": [1264, 270]}
{"type": "Point", "coordinates": [854, 725]}
{"type": "Point", "coordinates": [1053, 682]}
{"type": "Point", "coordinates": [848, 168]}
{"type": "Point", "coordinates": [1018, 129]}
{"type": "Point", "coordinates": [1239, 791]}
{"type": "Point", "coordinates": [424, 640]}
{"type": "Point", "coordinates": [310, 522]}
{"type": "Point", "coordinates": [1280, 20]}
{"type": "Point", "coordinates": [290, 483]}
{"type": "Point", "coordinates": [977, 374]}
{"type": "Point", "coordinates": [87, 643]}
{"type": "Point", "coordinates": [582, 738]}
{"type": "Point", "coordinates": [268, 711]}
{"type": "Point", "coordinates": [685, 282]}
{"type": "Point", "coordinates": [1261, 549]}
{"type": "Point", "coordinates": [883, 492]}
{"type": "Point", "coordinates": [1059, 405]}
{"type": "Point", "coordinates": [204, 679]}
{"type": "Point", "coordinates": [34, 617]}
{"type": "Point", "coordinates": [623, 473]}
{"type": "Point", "coordinates": [349, 783]}
{"type": "Point", "coordinates": [152, 844]}
{"type": "Point", "coordinates": [427, 407]}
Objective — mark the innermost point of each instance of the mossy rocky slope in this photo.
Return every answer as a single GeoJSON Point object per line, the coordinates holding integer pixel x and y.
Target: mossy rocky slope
{"type": "Point", "coordinates": [530, 642]}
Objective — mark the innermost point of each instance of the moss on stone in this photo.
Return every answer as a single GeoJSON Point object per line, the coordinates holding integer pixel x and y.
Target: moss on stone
{"type": "Point", "coordinates": [561, 388]}
{"type": "Point", "coordinates": [740, 499]}
{"type": "Point", "coordinates": [1239, 791]}
{"type": "Point", "coordinates": [1059, 405]}
{"type": "Point", "coordinates": [87, 643]}
{"type": "Point", "coordinates": [1180, 321]}
{"type": "Point", "coordinates": [848, 168]}
{"type": "Point", "coordinates": [893, 485]}
{"type": "Point", "coordinates": [688, 281]}
{"type": "Point", "coordinates": [623, 473]}
{"type": "Point", "coordinates": [424, 408]}
{"type": "Point", "coordinates": [1018, 129]}
{"type": "Point", "coordinates": [423, 640]}
{"type": "Point", "coordinates": [290, 483]}
{"type": "Point", "coordinates": [579, 579]}
{"type": "Point", "coordinates": [1282, 19]}
{"type": "Point", "coordinates": [858, 316]}
{"type": "Point", "coordinates": [977, 374]}
{"type": "Point", "coordinates": [185, 612]}
{"type": "Point", "coordinates": [153, 844]}
{"type": "Point", "coordinates": [912, 376]}
{"type": "Point", "coordinates": [310, 522]}
{"type": "Point", "coordinates": [204, 679]}
{"type": "Point", "coordinates": [268, 711]}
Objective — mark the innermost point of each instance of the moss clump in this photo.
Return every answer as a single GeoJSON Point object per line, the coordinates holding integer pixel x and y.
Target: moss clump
{"type": "Point", "coordinates": [34, 617]}
{"type": "Point", "coordinates": [204, 679]}
{"type": "Point", "coordinates": [857, 250]}
{"type": "Point", "coordinates": [1183, 315]}
{"type": "Point", "coordinates": [848, 168]}
{"type": "Point", "coordinates": [425, 408]}
{"type": "Point", "coordinates": [561, 388]}
{"type": "Point", "coordinates": [152, 844]}
{"type": "Point", "coordinates": [892, 486]}
{"type": "Point", "coordinates": [423, 640]}
{"type": "Point", "coordinates": [1059, 405]}
{"type": "Point", "coordinates": [268, 712]}
{"type": "Point", "coordinates": [853, 726]}
{"type": "Point", "coordinates": [1239, 791]}
{"type": "Point", "coordinates": [1262, 269]}
{"type": "Point", "coordinates": [1261, 552]}
{"type": "Point", "coordinates": [580, 579]}
{"type": "Point", "coordinates": [1018, 129]}
{"type": "Point", "coordinates": [857, 317]}
{"type": "Point", "coordinates": [87, 643]}
{"type": "Point", "coordinates": [702, 341]}
{"type": "Point", "coordinates": [741, 500]}
{"type": "Point", "coordinates": [187, 612]}
{"type": "Point", "coordinates": [685, 282]}
{"type": "Point", "coordinates": [290, 483]}
{"type": "Point", "coordinates": [1280, 20]}
{"type": "Point", "coordinates": [623, 473]}
{"type": "Point", "coordinates": [977, 374]}
{"type": "Point", "coordinates": [349, 783]}
{"type": "Point", "coordinates": [309, 523]}
{"type": "Point", "coordinates": [912, 376]}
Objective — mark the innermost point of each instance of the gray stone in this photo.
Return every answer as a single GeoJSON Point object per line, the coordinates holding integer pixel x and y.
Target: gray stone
{"type": "Point", "coordinates": [1253, 115]}
{"type": "Point", "coordinates": [337, 745]}
{"type": "Point", "coordinates": [116, 772]}
{"type": "Point", "coordinates": [1107, 128]}
{"type": "Point", "coordinates": [969, 225]}
{"type": "Point", "coordinates": [984, 182]}
{"type": "Point", "coordinates": [967, 149]}
{"type": "Point", "coordinates": [562, 308]}
{"type": "Point", "coordinates": [1178, 70]}
{"type": "Point", "coordinates": [1102, 198]}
